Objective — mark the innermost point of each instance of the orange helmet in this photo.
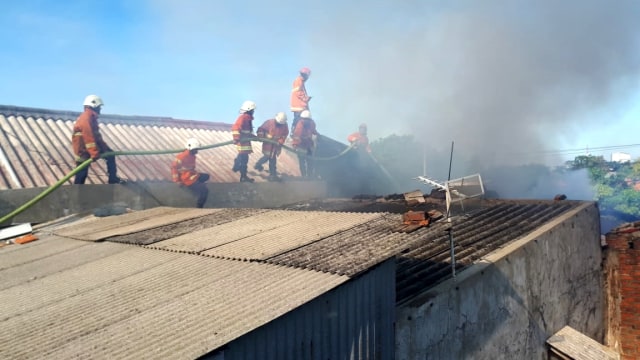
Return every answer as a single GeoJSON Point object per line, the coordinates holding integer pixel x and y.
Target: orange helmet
{"type": "Point", "coordinates": [305, 71]}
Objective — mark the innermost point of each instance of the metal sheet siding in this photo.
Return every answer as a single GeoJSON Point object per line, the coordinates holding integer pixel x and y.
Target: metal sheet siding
{"type": "Point", "coordinates": [36, 148]}
{"type": "Point", "coordinates": [353, 321]}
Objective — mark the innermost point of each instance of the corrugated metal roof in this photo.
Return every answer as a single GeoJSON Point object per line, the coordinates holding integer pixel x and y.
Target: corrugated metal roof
{"type": "Point", "coordinates": [35, 147]}
{"type": "Point", "coordinates": [64, 298]}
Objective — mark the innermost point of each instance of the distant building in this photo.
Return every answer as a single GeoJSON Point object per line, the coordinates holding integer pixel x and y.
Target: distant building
{"type": "Point", "coordinates": [620, 157]}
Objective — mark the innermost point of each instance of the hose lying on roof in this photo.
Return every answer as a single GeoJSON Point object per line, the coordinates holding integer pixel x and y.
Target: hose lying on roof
{"type": "Point", "coordinates": [50, 189]}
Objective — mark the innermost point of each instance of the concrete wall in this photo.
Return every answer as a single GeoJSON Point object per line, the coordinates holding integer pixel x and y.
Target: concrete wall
{"type": "Point", "coordinates": [509, 304]}
{"type": "Point", "coordinates": [69, 199]}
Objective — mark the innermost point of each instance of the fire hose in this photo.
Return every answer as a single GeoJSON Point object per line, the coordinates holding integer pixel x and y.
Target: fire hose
{"type": "Point", "coordinates": [83, 165]}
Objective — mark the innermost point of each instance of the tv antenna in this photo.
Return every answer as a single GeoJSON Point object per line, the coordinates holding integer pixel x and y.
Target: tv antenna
{"type": "Point", "coordinates": [457, 191]}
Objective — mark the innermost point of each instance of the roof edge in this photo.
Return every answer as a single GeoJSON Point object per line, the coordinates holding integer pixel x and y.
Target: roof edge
{"type": "Point", "coordinates": [11, 110]}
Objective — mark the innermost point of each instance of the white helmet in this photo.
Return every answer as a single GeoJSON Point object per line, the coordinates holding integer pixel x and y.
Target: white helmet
{"type": "Point", "coordinates": [305, 114]}
{"type": "Point", "coordinates": [192, 144]}
{"type": "Point", "coordinates": [247, 106]}
{"type": "Point", "coordinates": [93, 101]}
{"type": "Point", "coordinates": [281, 118]}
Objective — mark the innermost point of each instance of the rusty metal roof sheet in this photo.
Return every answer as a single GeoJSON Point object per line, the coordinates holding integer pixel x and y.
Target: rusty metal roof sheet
{"type": "Point", "coordinates": [64, 298]}
{"type": "Point", "coordinates": [35, 148]}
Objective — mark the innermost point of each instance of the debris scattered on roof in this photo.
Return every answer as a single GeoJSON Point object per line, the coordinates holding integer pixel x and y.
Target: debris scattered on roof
{"type": "Point", "coordinates": [15, 230]}
{"type": "Point", "coordinates": [25, 239]}
{"type": "Point", "coordinates": [111, 209]}
{"type": "Point", "coordinates": [413, 197]}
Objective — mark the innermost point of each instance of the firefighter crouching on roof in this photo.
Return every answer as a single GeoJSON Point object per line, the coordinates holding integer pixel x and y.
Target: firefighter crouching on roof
{"type": "Point", "coordinates": [303, 140]}
{"type": "Point", "coordinates": [275, 129]}
{"type": "Point", "coordinates": [242, 131]}
{"type": "Point", "coordinates": [183, 172]}
{"type": "Point", "coordinates": [299, 98]}
{"type": "Point", "coordinates": [359, 140]}
{"type": "Point", "coordinates": [88, 143]}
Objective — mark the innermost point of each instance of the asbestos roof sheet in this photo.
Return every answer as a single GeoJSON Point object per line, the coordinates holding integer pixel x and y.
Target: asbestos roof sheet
{"type": "Point", "coordinates": [35, 147]}
{"type": "Point", "coordinates": [62, 298]}
{"type": "Point", "coordinates": [100, 229]}
{"type": "Point", "coordinates": [181, 293]}
{"type": "Point", "coordinates": [572, 344]}
{"type": "Point", "coordinates": [423, 256]}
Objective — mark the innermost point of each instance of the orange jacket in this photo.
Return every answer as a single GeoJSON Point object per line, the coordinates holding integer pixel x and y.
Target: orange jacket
{"type": "Point", "coordinates": [86, 139]}
{"type": "Point", "coordinates": [299, 98]}
{"type": "Point", "coordinates": [359, 141]}
{"type": "Point", "coordinates": [276, 132]}
{"type": "Point", "coordinates": [242, 132]}
{"type": "Point", "coordinates": [183, 169]}
{"type": "Point", "coordinates": [303, 134]}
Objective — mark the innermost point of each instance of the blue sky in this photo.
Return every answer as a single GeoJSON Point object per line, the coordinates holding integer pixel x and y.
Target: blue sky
{"type": "Point", "coordinates": [508, 81]}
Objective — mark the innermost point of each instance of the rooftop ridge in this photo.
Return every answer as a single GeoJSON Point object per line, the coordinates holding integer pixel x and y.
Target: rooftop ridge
{"type": "Point", "coordinates": [29, 112]}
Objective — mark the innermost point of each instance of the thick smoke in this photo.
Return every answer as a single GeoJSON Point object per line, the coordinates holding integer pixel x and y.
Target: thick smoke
{"type": "Point", "coordinates": [505, 80]}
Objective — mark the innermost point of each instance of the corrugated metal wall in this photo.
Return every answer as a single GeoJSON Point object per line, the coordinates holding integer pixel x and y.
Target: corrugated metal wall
{"type": "Point", "coordinates": [353, 321]}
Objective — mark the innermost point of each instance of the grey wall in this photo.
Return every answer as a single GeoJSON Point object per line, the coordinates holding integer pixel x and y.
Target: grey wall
{"type": "Point", "coordinates": [353, 321]}
{"type": "Point", "coordinates": [507, 306]}
{"type": "Point", "coordinates": [69, 199]}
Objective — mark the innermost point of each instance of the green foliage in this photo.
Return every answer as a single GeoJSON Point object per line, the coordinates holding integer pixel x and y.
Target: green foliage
{"type": "Point", "coordinates": [613, 183]}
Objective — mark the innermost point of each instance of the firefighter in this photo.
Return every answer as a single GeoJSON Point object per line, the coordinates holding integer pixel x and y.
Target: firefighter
{"type": "Point", "coordinates": [304, 140]}
{"type": "Point", "coordinates": [183, 172]}
{"type": "Point", "coordinates": [88, 143]}
{"type": "Point", "coordinates": [359, 140]}
{"type": "Point", "coordinates": [299, 98]}
{"type": "Point", "coordinates": [361, 159]}
{"type": "Point", "coordinates": [242, 132]}
{"type": "Point", "coordinates": [275, 129]}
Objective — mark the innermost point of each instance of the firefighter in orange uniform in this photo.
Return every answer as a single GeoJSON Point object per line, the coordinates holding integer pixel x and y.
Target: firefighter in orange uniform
{"type": "Point", "coordinates": [361, 160]}
{"type": "Point", "coordinates": [88, 143]}
{"type": "Point", "coordinates": [304, 140]}
{"type": "Point", "coordinates": [183, 172]}
{"type": "Point", "coordinates": [359, 140]}
{"type": "Point", "coordinates": [242, 132]}
{"type": "Point", "coordinates": [275, 129]}
{"type": "Point", "coordinates": [299, 98]}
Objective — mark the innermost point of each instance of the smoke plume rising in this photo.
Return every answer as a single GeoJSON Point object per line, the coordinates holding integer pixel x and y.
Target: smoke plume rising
{"type": "Point", "coordinates": [505, 80]}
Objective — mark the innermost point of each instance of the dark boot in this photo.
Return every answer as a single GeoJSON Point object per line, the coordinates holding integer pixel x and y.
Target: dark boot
{"type": "Point", "coordinates": [244, 177]}
{"type": "Point", "coordinates": [117, 180]}
{"type": "Point", "coordinates": [274, 178]}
